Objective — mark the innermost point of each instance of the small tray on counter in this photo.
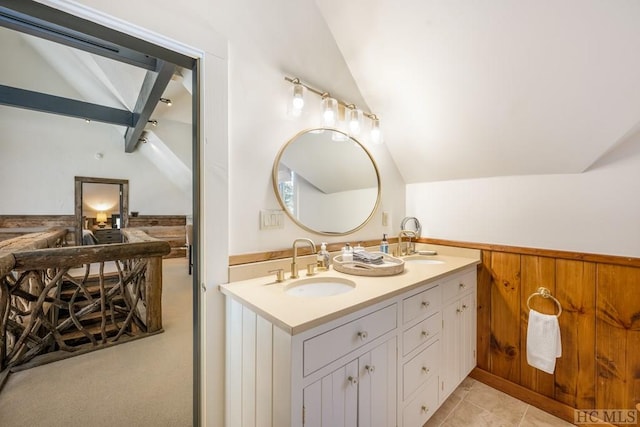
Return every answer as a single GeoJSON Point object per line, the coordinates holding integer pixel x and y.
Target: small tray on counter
{"type": "Point", "coordinates": [390, 267]}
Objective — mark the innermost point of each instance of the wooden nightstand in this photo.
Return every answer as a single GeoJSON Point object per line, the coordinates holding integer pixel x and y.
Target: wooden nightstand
{"type": "Point", "coordinates": [108, 235]}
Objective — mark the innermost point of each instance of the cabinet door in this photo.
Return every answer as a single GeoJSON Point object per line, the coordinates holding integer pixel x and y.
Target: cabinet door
{"type": "Point", "coordinates": [332, 401]}
{"type": "Point", "coordinates": [468, 335]}
{"type": "Point", "coordinates": [449, 372]}
{"type": "Point", "coordinates": [377, 389]}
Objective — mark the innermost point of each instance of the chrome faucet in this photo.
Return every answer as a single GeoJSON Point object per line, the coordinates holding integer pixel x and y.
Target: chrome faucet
{"type": "Point", "coordinates": [410, 247]}
{"type": "Point", "coordinates": [294, 266]}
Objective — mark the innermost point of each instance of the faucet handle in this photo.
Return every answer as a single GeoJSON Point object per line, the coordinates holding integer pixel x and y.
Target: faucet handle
{"type": "Point", "coordinates": [311, 269]}
{"type": "Point", "coordinates": [279, 274]}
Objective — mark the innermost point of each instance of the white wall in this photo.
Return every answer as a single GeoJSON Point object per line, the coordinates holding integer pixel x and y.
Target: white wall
{"type": "Point", "coordinates": [266, 41]}
{"type": "Point", "coordinates": [42, 153]}
{"type": "Point", "coordinates": [596, 212]}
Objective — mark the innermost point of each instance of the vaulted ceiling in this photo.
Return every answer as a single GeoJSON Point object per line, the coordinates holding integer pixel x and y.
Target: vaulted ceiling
{"type": "Point", "coordinates": [495, 87]}
{"type": "Point", "coordinates": [106, 82]}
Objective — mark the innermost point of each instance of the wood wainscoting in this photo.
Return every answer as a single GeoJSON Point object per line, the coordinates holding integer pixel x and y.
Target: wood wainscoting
{"type": "Point", "coordinates": [170, 228]}
{"type": "Point", "coordinates": [600, 326]}
{"type": "Point", "coordinates": [12, 226]}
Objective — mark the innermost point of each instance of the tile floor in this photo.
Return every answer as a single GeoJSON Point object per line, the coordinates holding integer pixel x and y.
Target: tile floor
{"type": "Point", "coordinates": [476, 404]}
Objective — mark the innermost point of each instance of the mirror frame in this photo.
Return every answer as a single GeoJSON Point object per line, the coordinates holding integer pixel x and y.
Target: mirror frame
{"type": "Point", "coordinates": [124, 206]}
{"type": "Point", "coordinates": [274, 181]}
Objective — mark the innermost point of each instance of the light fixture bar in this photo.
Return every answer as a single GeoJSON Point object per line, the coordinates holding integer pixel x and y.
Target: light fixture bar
{"type": "Point", "coordinates": [324, 94]}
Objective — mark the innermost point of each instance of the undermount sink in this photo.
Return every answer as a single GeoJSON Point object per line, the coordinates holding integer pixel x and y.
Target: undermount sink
{"type": "Point", "coordinates": [422, 259]}
{"type": "Point", "coordinates": [320, 287]}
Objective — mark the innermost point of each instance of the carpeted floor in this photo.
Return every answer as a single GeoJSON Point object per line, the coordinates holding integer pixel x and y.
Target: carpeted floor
{"type": "Point", "coordinates": [147, 382]}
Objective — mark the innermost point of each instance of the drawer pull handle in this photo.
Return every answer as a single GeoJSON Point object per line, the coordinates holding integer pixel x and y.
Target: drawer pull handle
{"type": "Point", "coordinates": [425, 334]}
{"type": "Point", "coordinates": [462, 286]}
{"type": "Point", "coordinates": [363, 335]}
{"type": "Point", "coordinates": [352, 380]}
{"type": "Point", "coordinates": [424, 409]}
{"type": "Point", "coordinates": [458, 310]}
{"type": "Point", "coordinates": [370, 368]}
{"type": "Point", "coordinates": [425, 369]}
{"type": "Point", "coordinates": [464, 306]}
{"type": "Point", "coordinates": [425, 304]}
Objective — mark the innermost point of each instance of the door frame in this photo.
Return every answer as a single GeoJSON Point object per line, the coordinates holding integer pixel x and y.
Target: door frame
{"type": "Point", "coordinates": [124, 201]}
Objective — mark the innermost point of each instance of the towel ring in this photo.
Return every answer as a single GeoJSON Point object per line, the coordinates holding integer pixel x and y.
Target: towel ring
{"type": "Point", "coordinates": [545, 293]}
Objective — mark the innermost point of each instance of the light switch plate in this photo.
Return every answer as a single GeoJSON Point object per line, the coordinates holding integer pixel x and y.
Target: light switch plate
{"type": "Point", "coordinates": [385, 219]}
{"type": "Point", "coordinates": [271, 219]}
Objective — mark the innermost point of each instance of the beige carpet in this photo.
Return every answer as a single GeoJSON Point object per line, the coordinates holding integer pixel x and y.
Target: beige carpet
{"type": "Point", "coordinates": [147, 382]}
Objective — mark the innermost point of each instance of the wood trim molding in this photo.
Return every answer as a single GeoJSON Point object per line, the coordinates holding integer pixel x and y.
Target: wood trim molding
{"type": "Point", "coordinates": [551, 253]}
{"type": "Point", "coordinates": [544, 403]}
{"type": "Point", "coordinates": [288, 253]}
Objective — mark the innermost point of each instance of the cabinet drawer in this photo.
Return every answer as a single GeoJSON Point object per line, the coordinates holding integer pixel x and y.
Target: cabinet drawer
{"type": "Point", "coordinates": [422, 304]}
{"type": "Point", "coordinates": [459, 285]}
{"type": "Point", "coordinates": [420, 369]}
{"type": "Point", "coordinates": [331, 345]}
{"type": "Point", "coordinates": [106, 236]}
{"type": "Point", "coordinates": [421, 333]}
{"type": "Point", "coordinates": [420, 409]}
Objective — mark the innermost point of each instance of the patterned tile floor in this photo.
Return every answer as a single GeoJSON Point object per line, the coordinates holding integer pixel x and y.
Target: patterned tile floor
{"type": "Point", "coordinates": [476, 404]}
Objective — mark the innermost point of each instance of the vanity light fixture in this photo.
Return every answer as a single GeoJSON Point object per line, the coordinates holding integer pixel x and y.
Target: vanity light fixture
{"type": "Point", "coordinates": [166, 101]}
{"type": "Point", "coordinates": [329, 110]}
{"type": "Point", "coordinates": [355, 119]}
{"type": "Point", "coordinates": [297, 102]}
{"type": "Point", "coordinates": [376, 133]}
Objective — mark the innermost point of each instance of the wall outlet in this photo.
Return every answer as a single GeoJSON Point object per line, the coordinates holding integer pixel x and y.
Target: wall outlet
{"type": "Point", "coordinates": [271, 219]}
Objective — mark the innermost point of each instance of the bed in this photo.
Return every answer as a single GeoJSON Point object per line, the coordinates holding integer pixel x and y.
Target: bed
{"type": "Point", "coordinates": [88, 238]}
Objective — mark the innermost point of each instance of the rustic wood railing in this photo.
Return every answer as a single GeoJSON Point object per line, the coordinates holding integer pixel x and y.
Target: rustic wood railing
{"type": "Point", "coordinates": [60, 301]}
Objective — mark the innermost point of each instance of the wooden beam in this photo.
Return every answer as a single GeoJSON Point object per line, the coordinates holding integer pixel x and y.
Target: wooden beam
{"type": "Point", "coordinates": [153, 87]}
{"type": "Point", "coordinates": [56, 33]}
{"type": "Point", "coordinates": [89, 28]}
{"type": "Point", "coordinates": [30, 100]}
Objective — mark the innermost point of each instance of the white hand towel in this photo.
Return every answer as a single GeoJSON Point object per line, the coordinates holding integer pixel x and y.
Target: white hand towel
{"type": "Point", "coordinates": [543, 341]}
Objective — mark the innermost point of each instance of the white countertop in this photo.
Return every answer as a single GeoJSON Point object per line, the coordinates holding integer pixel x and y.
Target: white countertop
{"type": "Point", "coordinates": [295, 314]}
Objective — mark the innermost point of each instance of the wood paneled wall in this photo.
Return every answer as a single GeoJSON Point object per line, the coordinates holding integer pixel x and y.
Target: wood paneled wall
{"type": "Point", "coordinates": [600, 324]}
{"type": "Point", "coordinates": [12, 226]}
{"type": "Point", "coordinates": [171, 228]}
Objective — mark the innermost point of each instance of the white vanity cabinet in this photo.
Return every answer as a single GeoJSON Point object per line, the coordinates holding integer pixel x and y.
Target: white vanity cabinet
{"type": "Point", "coordinates": [421, 354]}
{"type": "Point", "coordinates": [458, 331]}
{"type": "Point", "coordinates": [360, 393]}
{"type": "Point", "coordinates": [388, 364]}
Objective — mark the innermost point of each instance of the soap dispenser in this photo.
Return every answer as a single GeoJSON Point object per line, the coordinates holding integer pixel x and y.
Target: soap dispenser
{"type": "Point", "coordinates": [323, 258]}
{"type": "Point", "coordinates": [384, 244]}
{"type": "Point", "coordinates": [347, 253]}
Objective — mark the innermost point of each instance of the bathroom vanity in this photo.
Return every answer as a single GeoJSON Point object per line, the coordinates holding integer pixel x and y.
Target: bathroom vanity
{"type": "Point", "coordinates": [385, 352]}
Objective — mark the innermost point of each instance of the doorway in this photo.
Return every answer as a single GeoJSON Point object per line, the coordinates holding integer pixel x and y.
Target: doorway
{"type": "Point", "coordinates": [57, 17]}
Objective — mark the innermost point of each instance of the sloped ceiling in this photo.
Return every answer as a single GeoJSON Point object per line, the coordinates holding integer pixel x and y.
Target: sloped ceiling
{"type": "Point", "coordinates": [496, 87]}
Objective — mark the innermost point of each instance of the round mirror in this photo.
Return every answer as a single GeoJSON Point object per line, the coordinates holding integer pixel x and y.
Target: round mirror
{"type": "Point", "coordinates": [326, 181]}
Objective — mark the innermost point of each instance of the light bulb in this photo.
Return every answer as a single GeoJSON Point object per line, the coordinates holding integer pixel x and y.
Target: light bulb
{"type": "Point", "coordinates": [355, 121]}
{"type": "Point", "coordinates": [297, 103]}
{"type": "Point", "coordinates": [329, 112]}
{"type": "Point", "coordinates": [376, 133]}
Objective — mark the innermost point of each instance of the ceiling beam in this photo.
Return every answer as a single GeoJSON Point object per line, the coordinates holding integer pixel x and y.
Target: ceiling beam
{"type": "Point", "coordinates": [58, 34]}
{"type": "Point", "coordinates": [30, 100]}
{"type": "Point", "coordinates": [97, 31]}
{"type": "Point", "coordinates": [153, 87]}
